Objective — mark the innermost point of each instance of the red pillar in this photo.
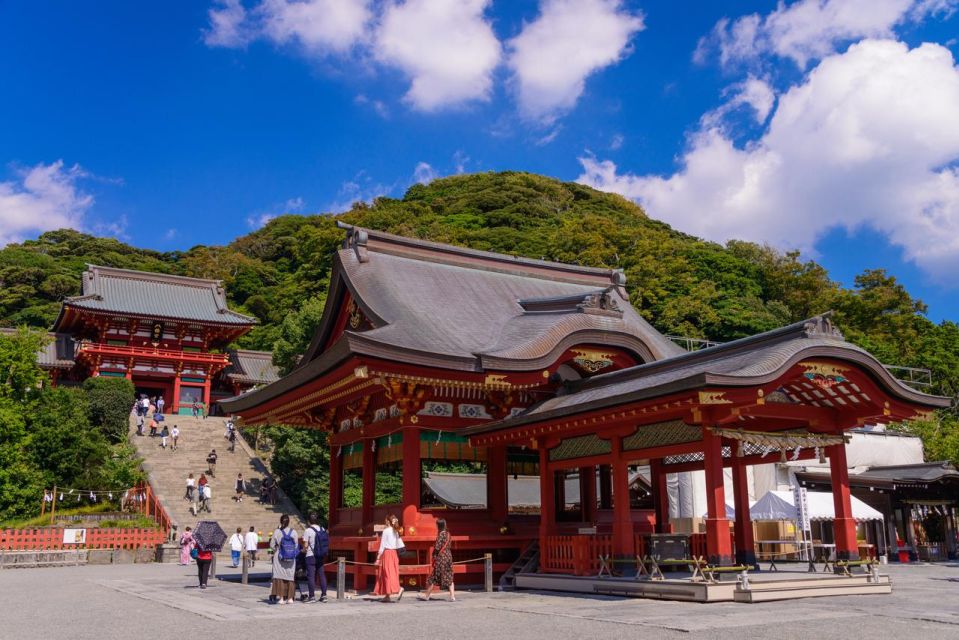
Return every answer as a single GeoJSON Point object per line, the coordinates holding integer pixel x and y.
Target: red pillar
{"type": "Point", "coordinates": [336, 487]}
{"type": "Point", "coordinates": [844, 526]}
{"type": "Point", "coordinates": [718, 547]}
{"type": "Point", "coordinates": [369, 486]}
{"type": "Point", "coordinates": [745, 546]}
{"type": "Point", "coordinates": [547, 497]}
{"type": "Point", "coordinates": [175, 400]}
{"type": "Point", "coordinates": [660, 496]}
{"type": "Point", "coordinates": [411, 477]}
{"type": "Point", "coordinates": [206, 396]}
{"type": "Point", "coordinates": [587, 493]}
{"type": "Point", "coordinates": [623, 546]}
{"type": "Point", "coordinates": [497, 490]}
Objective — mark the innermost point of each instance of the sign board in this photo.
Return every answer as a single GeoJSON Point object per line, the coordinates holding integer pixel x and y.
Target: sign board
{"type": "Point", "coordinates": [587, 531]}
{"type": "Point", "coordinates": [802, 508]}
{"type": "Point", "coordinates": [669, 546]}
{"type": "Point", "coordinates": [74, 536]}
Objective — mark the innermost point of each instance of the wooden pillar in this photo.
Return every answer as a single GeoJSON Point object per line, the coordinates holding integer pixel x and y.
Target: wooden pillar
{"type": "Point", "coordinates": [547, 496]}
{"type": "Point", "coordinates": [660, 496]}
{"type": "Point", "coordinates": [176, 395]}
{"type": "Point", "coordinates": [336, 487]}
{"type": "Point", "coordinates": [605, 487]}
{"type": "Point", "coordinates": [743, 527]}
{"type": "Point", "coordinates": [587, 493]}
{"type": "Point", "coordinates": [623, 545]}
{"type": "Point", "coordinates": [718, 547]}
{"type": "Point", "coordinates": [411, 477]}
{"type": "Point", "coordinates": [497, 489]}
{"type": "Point", "coordinates": [844, 526]}
{"type": "Point", "coordinates": [369, 486]}
{"type": "Point", "coordinates": [206, 395]}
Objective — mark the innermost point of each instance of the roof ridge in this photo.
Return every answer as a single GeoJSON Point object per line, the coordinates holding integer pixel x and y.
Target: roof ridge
{"type": "Point", "coordinates": [358, 239]}
{"type": "Point", "coordinates": [155, 275]}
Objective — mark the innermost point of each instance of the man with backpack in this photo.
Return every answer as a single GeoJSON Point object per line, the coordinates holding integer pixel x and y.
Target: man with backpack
{"type": "Point", "coordinates": [316, 542]}
{"type": "Point", "coordinates": [211, 460]}
{"type": "Point", "coordinates": [285, 547]}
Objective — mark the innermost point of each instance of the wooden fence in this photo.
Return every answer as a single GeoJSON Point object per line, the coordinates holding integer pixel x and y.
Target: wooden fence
{"type": "Point", "coordinates": [52, 539]}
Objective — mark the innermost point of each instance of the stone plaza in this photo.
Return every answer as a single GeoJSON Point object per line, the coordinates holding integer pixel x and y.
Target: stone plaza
{"type": "Point", "coordinates": [161, 601]}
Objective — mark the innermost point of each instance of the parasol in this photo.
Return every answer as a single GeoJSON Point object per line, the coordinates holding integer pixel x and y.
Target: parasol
{"type": "Point", "coordinates": [158, 417]}
{"type": "Point", "coordinates": [209, 536]}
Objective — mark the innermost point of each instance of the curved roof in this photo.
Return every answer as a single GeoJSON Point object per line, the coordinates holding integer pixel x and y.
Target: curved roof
{"type": "Point", "coordinates": [154, 295]}
{"type": "Point", "coordinates": [252, 367]}
{"type": "Point", "coordinates": [750, 361]}
{"type": "Point", "coordinates": [474, 310]}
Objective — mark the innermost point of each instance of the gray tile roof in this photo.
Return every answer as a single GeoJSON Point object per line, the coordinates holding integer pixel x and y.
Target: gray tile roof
{"type": "Point", "coordinates": [754, 360]}
{"type": "Point", "coordinates": [58, 353]}
{"type": "Point", "coordinates": [486, 309]}
{"type": "Point", "coordinates": [252, 367]}
{"type": "Point", "coordinates": [155, 295]}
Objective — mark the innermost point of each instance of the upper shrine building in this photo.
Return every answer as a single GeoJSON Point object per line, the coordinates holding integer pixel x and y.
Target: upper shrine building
{"type": "Point", "coordinates": [167, 334]}
{"type": "Point", "coordinates": [429, 354]}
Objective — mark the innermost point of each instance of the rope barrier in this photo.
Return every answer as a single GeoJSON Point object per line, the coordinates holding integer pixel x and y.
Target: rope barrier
{"type": "Point", "coordinates": [470, 560]}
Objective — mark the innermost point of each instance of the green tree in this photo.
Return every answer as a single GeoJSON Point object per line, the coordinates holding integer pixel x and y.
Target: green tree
{"type": "Point", "coordinates": [110, 400]}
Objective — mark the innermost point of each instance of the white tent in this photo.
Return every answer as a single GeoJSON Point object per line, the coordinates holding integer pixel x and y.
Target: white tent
{"type": "Point", "coordinates": [730, 512]}
{"type": "Point", "coordinates": [779, 505]}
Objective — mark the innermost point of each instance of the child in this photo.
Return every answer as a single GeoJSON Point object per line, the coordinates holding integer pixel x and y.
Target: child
{"type": "Point", "coordinates": [163, 436]}
{"type": "Point", "coordinates": [175, 434]}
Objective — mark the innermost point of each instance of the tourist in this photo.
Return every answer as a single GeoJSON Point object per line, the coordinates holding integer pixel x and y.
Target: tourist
{"type": "Point", "coordinates": [240, 488]}
{"type": "Point", "coordinates": [316, 543]}
{"type": "Point", "coordinates": [211, 460]}
{"type": "Point", "coordinates": [236, 547]}
{"type": "Point", "coordinates": [144, 405]}
{"type": "Point", "coordinates": [153, 426]}
{"type": "Point", "coordinates": [153, 405]}
{"type": "Point", "coordinates": [175, 434]}
{"type": "Point", "coordinates": [139, 423]}
{"type": "Point", "coordinates": [252, 542]}
{"type": "Point", "coordinates": [285, 547]}
{"type": "Point", "coordinates": [186, 546]}
{"type": "Point", "coordinates": [164, 434]}
{"type": "Point", "coordinates": [229, 428]}
{"type": "Point", "coordinates": [268, 491]}
{"type": "Point", "coordinates": [232, 441]}
{"type": "Point", "coordinates": [203, 561]}
{"type": "Point", "coordinates": [160, 405]}
{"type": "Point", "coordinates": [388, 561]}
{"type": "Point", "coordinates": [206, 499]}
{"type": "Point", "coordinates": [190, 485]}
{"type": "Point", "coordinates": [441, 574]}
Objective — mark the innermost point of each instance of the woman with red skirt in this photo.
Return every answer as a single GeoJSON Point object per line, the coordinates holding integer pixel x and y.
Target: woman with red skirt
{"type": "Point", "coordinates": [388, 561]}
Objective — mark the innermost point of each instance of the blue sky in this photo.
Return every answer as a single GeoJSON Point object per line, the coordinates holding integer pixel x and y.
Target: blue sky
{"type": "Point", "coordinates": [829, 126]}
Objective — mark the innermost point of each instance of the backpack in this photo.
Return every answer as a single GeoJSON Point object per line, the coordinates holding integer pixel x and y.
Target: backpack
{"type": "Point", "coordinates": [288, 550]}
{"type": "Point", "coordinates": [321, 543]}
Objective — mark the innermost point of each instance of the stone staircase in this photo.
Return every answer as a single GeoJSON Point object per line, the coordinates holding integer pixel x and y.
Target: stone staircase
{"type": "Point", "coordinates": [167, 471]}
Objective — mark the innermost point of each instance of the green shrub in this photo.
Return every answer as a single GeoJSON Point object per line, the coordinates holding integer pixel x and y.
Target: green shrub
{"type": "Point", "coordinates": [110, 402]}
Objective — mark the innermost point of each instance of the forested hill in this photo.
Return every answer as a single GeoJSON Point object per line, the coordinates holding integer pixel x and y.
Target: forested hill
{"type": "Point", "coordinates": [683, 285]}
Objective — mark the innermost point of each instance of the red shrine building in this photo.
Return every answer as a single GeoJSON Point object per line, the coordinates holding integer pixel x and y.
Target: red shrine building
{"type": "Point", "coordinates": [167, 334]}
{"type": "Point", "coordinates": [430, 355]}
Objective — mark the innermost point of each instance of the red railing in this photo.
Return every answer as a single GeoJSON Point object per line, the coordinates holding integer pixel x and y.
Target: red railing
{"type": "Point", "coordinates": [52, 539]}
{"type": "Point", "coordinates": [577, 554]}
{"type": "Point", "coordinates": [152, 508]}
{"type": "Point", "coordinates": [98, 348]}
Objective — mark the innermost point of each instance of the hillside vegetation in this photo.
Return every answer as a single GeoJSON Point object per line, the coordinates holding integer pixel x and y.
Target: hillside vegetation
{"type": "Point", "coordinates": [683, 285]}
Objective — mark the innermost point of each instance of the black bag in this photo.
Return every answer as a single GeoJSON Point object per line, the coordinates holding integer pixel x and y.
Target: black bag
{"type": "Point", "coordinates": [321, 543]}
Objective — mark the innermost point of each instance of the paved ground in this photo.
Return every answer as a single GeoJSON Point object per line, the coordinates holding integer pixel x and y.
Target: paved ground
{"type": "Point", "coordinates": [140, 602]}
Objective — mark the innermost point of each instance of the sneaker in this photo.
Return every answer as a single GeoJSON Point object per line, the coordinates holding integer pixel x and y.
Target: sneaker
{"type": "Point", "coordinates": [322, 598]}
{"type": "Point", "coordinates": [310, 600]}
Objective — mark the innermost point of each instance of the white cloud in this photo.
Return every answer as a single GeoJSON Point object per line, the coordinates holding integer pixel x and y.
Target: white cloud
{"type": "Point", "coordinates": [811, 29]}
{"type": "Point", "coordinates": [227, 25]}
{"type": "Point", "coordinates": [318, 25]}
{"type": "Point", "coordinates": [570, 40]}
{"type": "Point", "coordinates": [616, 142]}
{"type": "Point", "coordinates": [424, 173]}
{"type": "Point", "coordinates": [868, 139]}
{"type": "Point", "coordinates": [377, 105]}
{"type": "Point", "coordinates": [446, 47]}
{"type": "Point", "coordinates": [170, 234]}
{"type": "Point", "coordinates": [259, 220]}
{"type": "Point", "coordinates": [42, 198]}
{"type": "Point", "coordinates": [751, 92]}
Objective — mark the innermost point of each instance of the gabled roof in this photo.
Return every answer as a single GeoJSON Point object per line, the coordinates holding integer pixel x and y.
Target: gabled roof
{"type": "Point", "coordinates": [58, 353]}
{"type": "Point", "coordinates": [154, 295]}
{"type": "Point", "coordinates": [475, 310]}
{"type": "Point", "coordinates": [902, 474]}
{"type": "Point", "coordinates": [252, 367]}
{"type": "Point", "coordinates": [749, 361]}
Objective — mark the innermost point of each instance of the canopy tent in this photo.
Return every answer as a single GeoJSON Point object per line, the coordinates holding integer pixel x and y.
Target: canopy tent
{"type": "Point", "coordinates": [730, 512]}
{"type": "Point", "coordinates": [780, 505]}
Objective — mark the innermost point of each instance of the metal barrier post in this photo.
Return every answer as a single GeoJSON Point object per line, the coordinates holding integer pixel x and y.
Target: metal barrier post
{"type": "Point", "coordinates": [246, 570]}
{"type": "Point", "coordinates": [340, 577]}
{"type": "Point", "coordinates": [488, 571]}
{"type": "Point", "coordinates": [213, 565]}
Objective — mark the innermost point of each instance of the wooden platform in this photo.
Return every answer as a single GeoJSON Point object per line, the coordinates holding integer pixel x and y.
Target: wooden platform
{"type": "Point", "coordinates": [763, 587]}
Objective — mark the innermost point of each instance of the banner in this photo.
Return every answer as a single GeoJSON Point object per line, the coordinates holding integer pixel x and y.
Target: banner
{"type": "Point", "coordinates": [74, 536]}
